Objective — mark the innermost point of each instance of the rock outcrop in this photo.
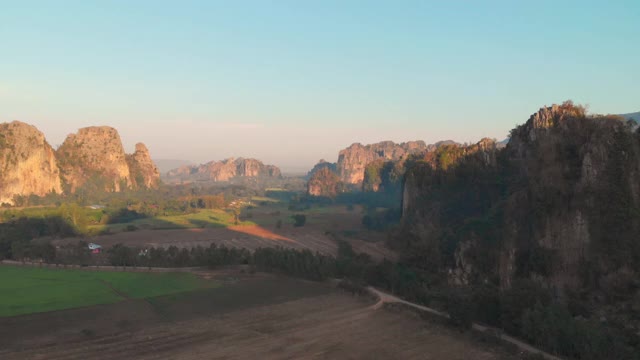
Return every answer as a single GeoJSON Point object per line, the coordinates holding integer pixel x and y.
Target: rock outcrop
{"type": "Point", "coordinates": [353, 160]}
{"type": "Point", "coordinates": [374, 167]}
{"type": "Point", "coordinates": [143, 171]}
{"type": "Point", "coordinates": [27, 163]}
{"type": "Point", "coordinates": [95, 156]}
{"type": "Point", "coordinates": [94, 153]}
{"type": "Point", "coordinates": [324, 182]}
{"type": "Point", "coordinates": [225, 170]}
{"type": "Point", "coordinates": [322, 164]}
{"type": "Point", "coordinates": [563, 193]}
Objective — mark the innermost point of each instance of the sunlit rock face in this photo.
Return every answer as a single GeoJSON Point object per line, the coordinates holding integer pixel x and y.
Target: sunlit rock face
{"type": "Point", "coordinates": [27, 163]}
{"type": "Point", "coordinates": [353, 160]}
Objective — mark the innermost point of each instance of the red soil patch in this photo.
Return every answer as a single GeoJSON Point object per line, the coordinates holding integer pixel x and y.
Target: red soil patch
{"type": "Point", "coordinates": [259, 231]}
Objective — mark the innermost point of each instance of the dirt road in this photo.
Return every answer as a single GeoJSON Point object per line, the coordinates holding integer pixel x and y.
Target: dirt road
{"type": "Point", "coordinates": [385, 298]}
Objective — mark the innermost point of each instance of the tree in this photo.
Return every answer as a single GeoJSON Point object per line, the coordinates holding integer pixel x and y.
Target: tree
{"type": "Point", "coordinates": [299, 220]}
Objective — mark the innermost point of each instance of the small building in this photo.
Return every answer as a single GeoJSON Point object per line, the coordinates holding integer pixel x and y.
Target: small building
{"type": "Point", "coordinates": [95, 248]}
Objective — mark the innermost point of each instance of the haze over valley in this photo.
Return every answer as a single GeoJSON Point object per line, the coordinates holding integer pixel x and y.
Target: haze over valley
{"type": "Point", "coordinates": [330, 180]}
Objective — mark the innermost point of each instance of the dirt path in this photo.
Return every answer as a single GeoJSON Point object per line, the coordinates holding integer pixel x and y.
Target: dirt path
{"type": "Point", "coordinates": [385, 298]}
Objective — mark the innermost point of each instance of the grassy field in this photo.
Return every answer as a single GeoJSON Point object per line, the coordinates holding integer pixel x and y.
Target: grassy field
{"type": "Point", "coordinates": [213, 218]}
{"type": "Point", "coordinates": [26, 290]}
{"type": "Point", "coordinates": [255, 317]}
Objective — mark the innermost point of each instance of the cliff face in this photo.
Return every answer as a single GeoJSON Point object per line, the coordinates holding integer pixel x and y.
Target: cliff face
{"type": "Point", "coordinates": [27, 163]}
{"type": "Point", "coordinates": [562, 195]}
{"type": "Point", "coordinates": [324, 182]}
{"type": "Point", "coordinates": [225, 170]}
{"type": "Point", "coordinates": [581, 175]}
{"type": "Point", "coordinates": [93, 156]}
{"type": "Point", "coordinates": [353, 160]}
{"type": "Point", "coordinates": [144, 173]}
{"type": "Point", "coordinates": [94, 153]}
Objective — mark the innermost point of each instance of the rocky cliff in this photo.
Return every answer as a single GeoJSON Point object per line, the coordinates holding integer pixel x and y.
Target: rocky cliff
{"type": "Point", "coordinates": [225, 170]}
{"type": "Point", "coordinates": [27, 163]}
{"type": "Point", "coordinates": [143, 171]}
{"type": "Point", "coordinates": [324, 182]}
{"type": "Point", "coordinates": [93, 156]}
{"type": "Point", "coordinates": [353, 160]}
{"type": "Point", "coordinates": [561, 197]}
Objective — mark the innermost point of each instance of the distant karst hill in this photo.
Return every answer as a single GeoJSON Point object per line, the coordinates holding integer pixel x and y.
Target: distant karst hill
{"type": "Point", "coordinates": [166, 165]}
{"type": "Point", "coordinates": [355, 165]}
{"type": "Point", "coordinates": [224, 170]}
{"type": "Point", "coordinates": [93, 158]}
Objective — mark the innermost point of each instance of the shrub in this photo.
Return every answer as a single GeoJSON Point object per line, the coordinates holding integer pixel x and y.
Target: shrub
{"type": "Point", "coordinates": [460, 308]}
{"type": "Point", "coordinates": [299, 220]}
{"type": "Point", "coordinates": [522, 295]}
{"type": "Point", "coordinates": [553, 328]}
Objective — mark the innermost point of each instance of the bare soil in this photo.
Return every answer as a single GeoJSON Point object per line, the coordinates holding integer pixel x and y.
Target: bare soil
{"type": "Point", "coordinates": [261, 317]}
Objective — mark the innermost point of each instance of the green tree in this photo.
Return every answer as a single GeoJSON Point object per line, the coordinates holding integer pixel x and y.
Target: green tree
{"type": "Point", "coordinates": [299, 220]}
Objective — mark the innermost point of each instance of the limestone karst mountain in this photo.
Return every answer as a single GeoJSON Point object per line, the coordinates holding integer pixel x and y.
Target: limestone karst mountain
{"type": "Point", "coordinates": [94, 153]}
{"type": "Point", "coordinates": [353, 160]}
{"type": "Point", "coordinates": [224, 170]}
{"type": "Point", "coordinates": [143, 171]}
{"type": "Point", "coordinates": [93, 156]}
{"type": "Point", "coordinates": [27, 162]}
{"type": "Point", "coordinates": [562, 193]}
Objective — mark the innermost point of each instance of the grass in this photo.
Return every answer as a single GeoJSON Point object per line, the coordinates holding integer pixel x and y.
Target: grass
{"type": "Point", "coordinates": [213, 218]}
{"type": "Point", "coordinates": [264, 199]}
{"type": "Point", "coordinates": [25, 290]}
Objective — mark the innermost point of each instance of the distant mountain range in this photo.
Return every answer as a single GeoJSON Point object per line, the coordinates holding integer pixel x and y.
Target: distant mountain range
{"type": "Point", "coordinates": [165, 165]}
{"type": "Point", "coordinates": [223, 170]}
{"type": "Point", "coordinates": [635, 116]}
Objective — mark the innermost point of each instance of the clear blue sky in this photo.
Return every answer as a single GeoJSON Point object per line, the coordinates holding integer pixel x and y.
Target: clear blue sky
{"type": "Point", "coordinates": [291, 82]}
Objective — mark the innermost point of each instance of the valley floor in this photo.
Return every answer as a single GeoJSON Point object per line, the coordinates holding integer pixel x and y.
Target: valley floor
{"type": "Point", "coordinates": [250, 317]}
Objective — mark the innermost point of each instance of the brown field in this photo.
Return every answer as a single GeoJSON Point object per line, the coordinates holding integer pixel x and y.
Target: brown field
{"type": "Point", "coordinates": [260, 317]}
{"type": "Point", "coordinates": [312, 236]}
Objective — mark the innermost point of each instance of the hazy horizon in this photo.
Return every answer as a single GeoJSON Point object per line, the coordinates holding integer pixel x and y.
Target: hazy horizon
{"type": "Point", "coordinates": [291, 83]}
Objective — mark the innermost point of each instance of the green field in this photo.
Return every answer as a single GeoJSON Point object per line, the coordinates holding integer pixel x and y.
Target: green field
{"type": "Point", "coordinates": [213, 218]}
{"type": "Point", "coordinates": [25, 290]}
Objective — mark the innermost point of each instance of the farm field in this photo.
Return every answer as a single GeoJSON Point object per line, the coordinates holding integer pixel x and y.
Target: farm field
{"type": "Point", "coordinates": [258, 230]}
{"type": "Point", "coordinates": [211, 218]}
{"type": "Point", "coordinates": [25, 290]}
{"type": "Point", "coordinates": [264, 317]}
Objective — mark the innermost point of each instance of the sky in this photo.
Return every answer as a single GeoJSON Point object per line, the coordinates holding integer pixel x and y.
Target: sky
{"type": "Point", "coordinates": [291, 82]}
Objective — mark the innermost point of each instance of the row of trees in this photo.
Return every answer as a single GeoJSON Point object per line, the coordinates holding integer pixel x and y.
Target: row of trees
{"type": "Point", "coordinates": [299, 263]}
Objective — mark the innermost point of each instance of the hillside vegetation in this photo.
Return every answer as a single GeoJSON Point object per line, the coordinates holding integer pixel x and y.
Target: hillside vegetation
{"type": "Point", "coordinates": [540, 236]}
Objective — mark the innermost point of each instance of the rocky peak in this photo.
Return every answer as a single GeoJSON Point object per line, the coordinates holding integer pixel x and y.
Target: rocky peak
{"type": "Point", "coordinates": [94, 152]}
{"type": "Point", "coordinates": [144, 172]}
{"type": "Point", "coordinates": [548, 117]}
{"type": "Point", "coordinates": [27, 162]}
{"type": "Point", "coordinates": [322, 164]}
{"type": "Point", "coordinates": [324, 182]}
